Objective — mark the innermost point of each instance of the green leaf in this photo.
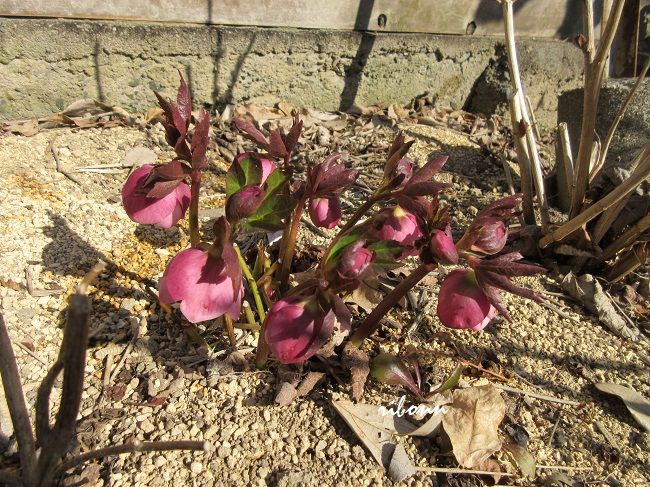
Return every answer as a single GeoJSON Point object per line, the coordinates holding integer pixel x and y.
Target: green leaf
{"type": "Point", "coordinates": [276, 206]}
{"type": "Point", "coordinates": [386, 252]}
{"type": "Point", "coordinates": [452, 381]}
{"type": "Point", "coordinates": [522, 458]}
{"type": "Point", "coordinates": [242, 173]}
{"type": "Point", "coordinates": [340, 245]}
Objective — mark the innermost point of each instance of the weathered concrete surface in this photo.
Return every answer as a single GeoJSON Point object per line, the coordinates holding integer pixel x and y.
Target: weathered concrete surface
{"type": "Point", "coordinates": [46, 64]}
{"type": "Point", "coordinates": [550, 18]}
{"type": "Point", "coordinates": [633, 131]}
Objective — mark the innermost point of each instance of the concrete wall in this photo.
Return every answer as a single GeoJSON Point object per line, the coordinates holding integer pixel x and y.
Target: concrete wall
{"type": "Point", "coordinates": [46, 64]}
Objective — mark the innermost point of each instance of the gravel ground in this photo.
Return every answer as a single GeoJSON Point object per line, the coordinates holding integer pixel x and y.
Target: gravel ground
{"type": "Point", "coordinates": [55, 229]}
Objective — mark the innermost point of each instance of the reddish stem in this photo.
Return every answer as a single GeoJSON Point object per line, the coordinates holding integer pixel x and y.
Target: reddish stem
{"type": "Point", "coordinates": [289, 247]}
{"type": "Point", "coordinates": [195, 234]}
{"type": "Point", "coordinates": [371, 323]}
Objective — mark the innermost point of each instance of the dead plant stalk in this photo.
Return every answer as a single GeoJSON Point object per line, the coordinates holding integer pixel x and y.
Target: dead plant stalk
{"type": "Point", "coordinates": [525, 123]}
{"type": "Point", "coordinates": [595, 62]}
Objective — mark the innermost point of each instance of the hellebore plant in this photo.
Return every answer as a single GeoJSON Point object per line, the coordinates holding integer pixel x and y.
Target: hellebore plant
{"type": "Point", "coordinates": [402, 218]}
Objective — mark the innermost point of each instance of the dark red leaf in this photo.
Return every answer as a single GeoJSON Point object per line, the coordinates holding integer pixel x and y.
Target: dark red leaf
{"type": "Point", "coordinates": [427, 171]}
{"type": "Point", "coordinates": [252, 133]}
{"type": "Point", "coordinates": [276, 145]}
{"type": "Point", "coordinates": [200, 140]}
{"type": "Point", "coordinates": [292, 137]}
{"type": "Point", "coordinates": [184, 101]}
{"type": "Point", "coordinates": [425, 188]}
{"type": "Point", "coordinates": [170, 171]}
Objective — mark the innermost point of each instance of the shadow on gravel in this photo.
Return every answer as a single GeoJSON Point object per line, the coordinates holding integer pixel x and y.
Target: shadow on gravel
{"type": "Point", "coordinates": [158, 237]}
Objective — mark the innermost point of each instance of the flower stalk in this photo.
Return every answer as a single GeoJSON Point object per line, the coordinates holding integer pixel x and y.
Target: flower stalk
{"type": "Point", "coordinates": [195, 234]}
{"type": "Point", "coordinates": [372, 321]}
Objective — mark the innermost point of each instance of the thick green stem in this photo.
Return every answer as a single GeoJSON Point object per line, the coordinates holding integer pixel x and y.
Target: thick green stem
{"type": "Point", "coordinates": [195, 234]}
{"type": "Point", "coordinates": [371, 323]}
{"type": "Point", "coordinates": [252, 285]}
{"type": "Point", "coordinates": [262, 347]}
{"type": "Point", "coordinates": [289, 246]}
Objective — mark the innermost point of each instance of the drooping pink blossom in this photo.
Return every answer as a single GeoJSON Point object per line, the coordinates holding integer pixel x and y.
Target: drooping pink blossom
{"type": "Point", "coordinates": [207, 286]}
{"type": "Point", "coordinates": [462, 303]}
{"type": "Point", "coordinates": [400, 226]}
{"type": "Point", "coordinates": [244, 202]}
{"type": "Point", "coordinates": [141, 208]}
{"type": "Point", "coordinates": [491, 238]}
{"type": "Point", "coordinates": [296, 327]}
{"type": "Point", "coordinates": [325, 212]}
{"type": "Point", "coordinates": [442, 246]}
{"type": "Point", "coordinates": [266, 166]}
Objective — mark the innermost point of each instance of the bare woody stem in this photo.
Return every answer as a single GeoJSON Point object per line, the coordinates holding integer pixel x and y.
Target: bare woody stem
{"type": "Point", "coordinates": [616, 195]}
{"type": "Point", "coordinates": [529, 137]}
{"type": "Point", "coordinates": [594, 68]}
{"type": "Point", "coordinates": [17, 406]}
{"type": "Point", "coordinates": [195, 234]}
{"type": "Point", "coordinates": [135, 446]}
{"type": "Point", "coordinates": [372, 321]}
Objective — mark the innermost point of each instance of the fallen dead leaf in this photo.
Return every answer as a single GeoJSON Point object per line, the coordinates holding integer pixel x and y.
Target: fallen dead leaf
{"type": "Point", "coordinates": [472, 423]}
{"type": "Point", "coordinates": [638, 405]}
{"type": "Point", "coordinates": [376, 432]}
{"type": "Point", "coordinates": [589, 292]}
{"type": "Point", "coordinates": [358, 363]}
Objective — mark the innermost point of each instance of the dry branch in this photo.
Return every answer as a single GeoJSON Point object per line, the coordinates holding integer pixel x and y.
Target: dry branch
{"type": "Point", "coordinates": [16, 403]}
{"type": "Point", "coordinates": [619, 116]}
{"type": "Point", "coordinates": [524, 124]}
{"type": "Point", "coordinates": [524, 162]}
{"type": "Point", "coordinates": [603, 204]}
{"type": "Point", "coordinates": [594, 68]}
{"type": "Point", "coordinates": [133, 447]}
{"type": "Point", "coordinates": [628, 238]}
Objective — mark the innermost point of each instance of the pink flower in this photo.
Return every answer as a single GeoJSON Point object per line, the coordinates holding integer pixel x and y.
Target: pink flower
{"type": "Point", "coordinates": [442, 246]}
{"type": "Point", "coordinates": [325, 212]}
{"type": "Point", "coordinates": [296, 327]}
{"type": "Point", "coordinates": [244, 202]}
{"type": "Point", "coordinates": [491, 238]}
{"type": "Point", "coordinates": [267, 166]}
{"type": "Point", "coordinates": [142, 208]}
{"type": "Point", "coordinates": [462, 303]}
{"type": "Point", "coordinates": [402, 227]}
{"type": "Point", "coordinates": [206, 286]}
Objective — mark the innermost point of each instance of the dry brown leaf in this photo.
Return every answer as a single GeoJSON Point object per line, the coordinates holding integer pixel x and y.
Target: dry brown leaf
{"type": "Point", "coordinates": [21, 127]}
{"type": "Point", "coordinates": [589, 292]}
{"type": "Point", "coordinates": [376, 432]}
{"type": "Point", "coordinates": [358, 363]}
{"type": "Point", "coordinates": [309, 382]}
{"type": "Point", "coordinates": [638, 405]}
{"type": "Point", "coordinates": [287, 393]}
{"type": "Point", "coordinates": [154, 115]}
{"type": "Point", "coordinates": [472, 423]}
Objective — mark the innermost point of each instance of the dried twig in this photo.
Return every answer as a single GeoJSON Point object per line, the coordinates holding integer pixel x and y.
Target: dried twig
{"type": "Point", "coordinates": [462, 471]}
{"type": "Point", "coordinates": [30, 352]}
{"type": "Point", "coordinates": [524, 124]}
{"type": "Point", "coordinates": [594, 68]}
{"type": "Point", "coordinates": [132, 447]}
{"type": "Point", "coordinates": [616, 195]}
{"type": "Point", "coordinates": [16, 404]}
{"type": "Point", "coordinates": [619, 116]}
{"type": "Point", "coordinates": [541, 397]}
{"type": "Point", "coordinates": [55, 153]}
{"type": "Point", "coordinates": [627, 239]}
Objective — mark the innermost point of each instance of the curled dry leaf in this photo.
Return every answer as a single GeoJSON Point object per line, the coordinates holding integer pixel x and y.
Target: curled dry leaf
{"type": "Point", "coordinates": [358, 363]}
{"type": "Point", "coordinates": [376, 432]}
{"type": "Point", "coordinates": [472, 423]}
{"type": "Point", "coordinates": [638, 405]}
{"type": "Point", "coordinates": [588, 291]}
{"type": "Point", "coordinates": [522, 458]}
